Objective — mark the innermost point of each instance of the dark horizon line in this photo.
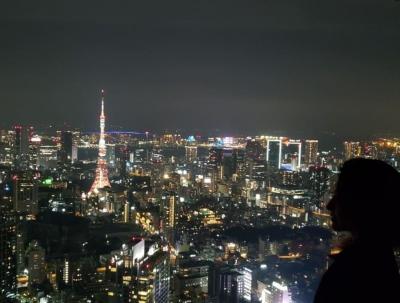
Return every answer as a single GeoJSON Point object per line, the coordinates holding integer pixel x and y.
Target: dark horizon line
{"type": "Point", "coordinates": [219, 132]}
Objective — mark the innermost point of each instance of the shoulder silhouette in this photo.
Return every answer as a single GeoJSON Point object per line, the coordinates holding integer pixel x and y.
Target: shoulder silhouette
{"type": "Point", "coordinates": [366, 203]}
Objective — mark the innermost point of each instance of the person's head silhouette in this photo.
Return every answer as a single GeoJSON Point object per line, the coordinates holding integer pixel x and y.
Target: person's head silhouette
{"type": "Point", "coordinates": [366, 201]}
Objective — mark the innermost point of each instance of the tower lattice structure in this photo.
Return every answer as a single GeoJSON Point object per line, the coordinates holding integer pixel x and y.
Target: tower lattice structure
{"type": "Point", "coordinates": [101, 179]}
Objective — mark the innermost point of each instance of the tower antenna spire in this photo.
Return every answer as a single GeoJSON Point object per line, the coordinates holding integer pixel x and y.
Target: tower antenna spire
{"type": "Point", "coordinates": [101, 180]}
{"type": "Point", "coordinates": [102, 102]}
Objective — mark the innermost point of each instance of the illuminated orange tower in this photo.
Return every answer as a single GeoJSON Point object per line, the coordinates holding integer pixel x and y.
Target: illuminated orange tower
{"type": "Point", "coordinates": [101, 179]}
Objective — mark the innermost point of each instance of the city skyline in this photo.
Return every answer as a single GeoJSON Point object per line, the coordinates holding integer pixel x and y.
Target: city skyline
{"type": "Point", "coordinates": [229, 66]}
{"type": "Point", "coordinates": [181, 151]}
{"type": "Point", "coordinates": [165, 218]}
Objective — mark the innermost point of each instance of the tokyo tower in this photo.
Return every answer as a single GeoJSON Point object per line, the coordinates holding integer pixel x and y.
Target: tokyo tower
{"type": "Point", "coordinates": [101, 179]}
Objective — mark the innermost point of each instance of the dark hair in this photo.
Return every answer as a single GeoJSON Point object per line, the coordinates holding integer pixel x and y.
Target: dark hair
{"type": "Point", "coordinates": [370, 191]}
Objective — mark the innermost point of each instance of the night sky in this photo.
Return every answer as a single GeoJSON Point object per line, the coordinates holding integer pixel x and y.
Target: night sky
{"type": "Point", "coordinates": [252, 66]}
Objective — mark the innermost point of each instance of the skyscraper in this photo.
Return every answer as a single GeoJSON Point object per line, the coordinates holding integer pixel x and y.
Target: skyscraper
{"type": "Point", "coordinates": [247, 276]}
{"type": "Point", "coordinates": [291, 154]}
{"type": "Point", "coordinates": [8, 282]}
{"type": "Point", "coordinates": [228, 284]}
{"type": "Point", "coordinates": [254, 150]}
{"type": "Point", "coordinates": [169, 215]}
{"type": "Point", "coordinates": [215, 156]}
{"type": "Point", "coordinates": [351, 150]}
{"type": "Point", "coordinates": [21, 147]}
{"type": "Point", "coordinates": [101, 179]}
{"type": "Point", "coordinates": [25, 193]}
{"type": "Point", "coordinates": [36, 263]}
{"type": "Point", "coordinates": [21, 140]}
{"type": "Point", "coordinates": [191, 153]}
{"type": "Point", "coordinates": [66, 146]}
{"type": "Point", "coordinates": [311, 152]}
{"type": "Point", "coordinates": [153, 282]}
{"type": "Point", "coordinates": [274, 152]}
{"type": "Point", "coordinates": [320, 181]}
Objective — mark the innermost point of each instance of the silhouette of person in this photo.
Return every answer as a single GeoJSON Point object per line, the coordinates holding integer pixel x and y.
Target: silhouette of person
{"type": "Point", "coordinates": [366, 203]}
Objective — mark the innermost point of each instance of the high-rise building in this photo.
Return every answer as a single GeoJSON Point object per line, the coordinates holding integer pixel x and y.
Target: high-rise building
{"type": "Point", "coordinates": [240, 160]}
{"type": "Point", "coordinates": [127, 212]}
{"type": "Point", "coordinates": [66, 271]}
{"type": "Point", "coordinates": [74, 156]}
{"type": "Point", "coordinates": [153, 281]}
{"type": "Point", "coordinates": [215, 156]}
{"type": "Point", "coordinates": [161, 279]}
{"type": "Point", "coordinates": [247, 279]}
{"type": "Point", "coordinates": [25, 193]}
{"type": "Point", "coordinates": [169, 214]}
{"type": "Point", "coordinates": [21, 147]}
{"type": "Point", "coordinates": [191, 153]}
{"type": "Point", "coordinates": [8, 230]}
{"type": "Point", "coordinates": [228, 163]}
{"type": "Point", "coordinates": [319, 182]}
{"type": "Point", "coordinates": [20, 247]}
{"type": "Point", "coordinates": [274, 152]}
{"type": "Point", "coordinates": [121, 159]}
{"type": "Point", "coordinates": [169, 210]}
{"type": "Point", "coordinates": [228, 285]}
{"type": "Point", "coordinates": [36, 263]}
{"type": "Point", "coordinates": [21, 142]}
{"type": "Point", "coordinates": [47, 156]}
{"type": "Point", "coordinates": [34, 150]}
{"type": "Point", "coordinates": [257, 170]}
{"type": "Point", "coordinates": [66, 147]}
{"type": "Point", "coordinates": [311, 152]}
{"type": "Point", "coordinates": [254, 150]}
{"type": "Point", "coordinates": [223, 162]}
{"type": "Point", "coordinates": [110, 155]}
{"type": "Point", "coordinates": [194, 280]}
{"type": "Point", "coordinates": [7, 153]}
{"type": "Point", "coordinates": [276, 292]}
{"type": "Point", "coordinates": [101, 179]}
{"type": "Point", "coordinates": [351, 149]}
{"type": "Point", "coordinates": [291, 155]}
